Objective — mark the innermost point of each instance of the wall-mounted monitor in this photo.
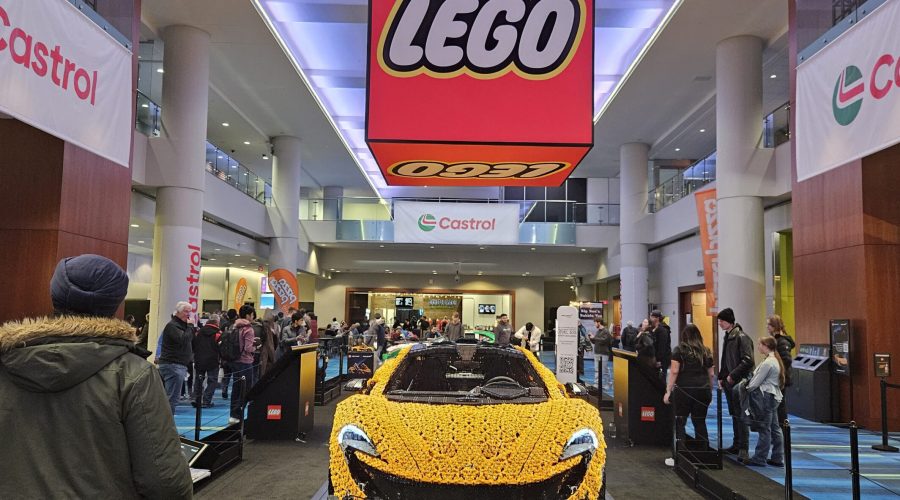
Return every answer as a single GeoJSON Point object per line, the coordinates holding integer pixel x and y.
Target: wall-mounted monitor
{"type": "Point", "coordinates": [403, 302]}
{"type": "Point", "coordinates": [267, 301]}
{"type": "Point", "coordinates": [487, 308]}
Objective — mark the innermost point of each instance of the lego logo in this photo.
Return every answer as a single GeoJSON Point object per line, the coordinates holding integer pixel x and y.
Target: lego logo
{"type": "Point", "coordinates": [273, 412]}
{"type": "Point", "coordinates": [648, 414]}
{"type": "Point", "coordinates": [485, 39]}
{"type": "Point", "coordinates": [476, 170]}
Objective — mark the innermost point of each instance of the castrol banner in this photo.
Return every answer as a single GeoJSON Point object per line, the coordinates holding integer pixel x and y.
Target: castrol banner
{"type": "Point", "coordinates": [708, 218]}
{"type": "Point", "coordinates": [456, 223]}
{"type": "Point", "coordinates": [283, 284]}
{"type": "Point", "coordinates": [848, 95]}
{"type": "Point", "coordinates": [480, 93]}
{"type": "Point", "coordinates": [240, 292]}
{"type": "Point", "coordinates": [61, 73]}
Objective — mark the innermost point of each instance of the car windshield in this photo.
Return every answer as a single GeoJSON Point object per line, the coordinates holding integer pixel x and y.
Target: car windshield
{"type": "Point", "coordinates": [466, 374]}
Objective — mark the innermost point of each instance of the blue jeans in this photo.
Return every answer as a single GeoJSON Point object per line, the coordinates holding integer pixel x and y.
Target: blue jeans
{"type": "Point", "coordinates": [173, 376]}
{"type": "Point", "coordinates": [238, 396]}
{"type": "Point", "coordinates": [770, 436]}
{"type": "Point", "coordinates": [601, 362]}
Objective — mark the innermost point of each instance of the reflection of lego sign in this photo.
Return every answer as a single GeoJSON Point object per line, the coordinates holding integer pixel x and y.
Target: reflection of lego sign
{"type": "Point", "coordinates": [480, 93]}
{"type": "Point", "coordinates": [648, 414]}
{"type": "Point", "coordinates": [273, 412]}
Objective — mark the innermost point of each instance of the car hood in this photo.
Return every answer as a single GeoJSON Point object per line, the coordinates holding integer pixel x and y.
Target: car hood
{"type": "Point", "coordinates": [468, 444]}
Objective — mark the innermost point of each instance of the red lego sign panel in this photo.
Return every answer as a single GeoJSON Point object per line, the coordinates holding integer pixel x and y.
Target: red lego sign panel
{"type": "Point", "coordinates": [480, 92]}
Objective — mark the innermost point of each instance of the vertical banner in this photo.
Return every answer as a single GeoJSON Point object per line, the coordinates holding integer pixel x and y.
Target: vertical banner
{"type": "Point", "coordinates": [287, 292]}
{"type": "Point", "coordinates": [567, 344]}
{"type": "Point", "coordinates": [240, 291]}
{"type": "Point", "coordinates": [708, 219]}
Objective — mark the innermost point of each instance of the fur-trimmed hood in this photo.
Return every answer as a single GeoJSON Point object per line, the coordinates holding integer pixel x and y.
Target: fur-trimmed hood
{"type": "Point", "coordinates": [54, 354]}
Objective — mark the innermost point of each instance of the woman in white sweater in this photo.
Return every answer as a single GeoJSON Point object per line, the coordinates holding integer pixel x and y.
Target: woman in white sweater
{"type": "Point", "coordinates": [768, 378]}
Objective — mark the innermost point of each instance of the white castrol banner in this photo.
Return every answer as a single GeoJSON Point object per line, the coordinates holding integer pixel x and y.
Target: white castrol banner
{"type": "Point", "coordinates": [848, 95]}
{"type": "Point", "coordinates": [63, 74]}
{"type": "Point", "coordinates": [456, 223]}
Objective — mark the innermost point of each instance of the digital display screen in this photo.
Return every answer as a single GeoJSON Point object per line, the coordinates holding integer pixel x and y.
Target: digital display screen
{"type": "Point", "coordinates": [267, 301]}
{"type": "Point", "coordinates": [403, 302]}
{"type": "Point", "coordinates": [487, 308]}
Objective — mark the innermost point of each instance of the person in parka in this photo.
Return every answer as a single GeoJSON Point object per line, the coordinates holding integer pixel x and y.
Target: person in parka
{"type": "Point", "coordinates": [84, 415]}
{"type": "Point", "coordinates": [736, 365]}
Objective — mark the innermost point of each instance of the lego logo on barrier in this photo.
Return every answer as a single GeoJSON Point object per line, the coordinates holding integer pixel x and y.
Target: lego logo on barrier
{"type": "Point", "coordinates": [648, 414]}
{"type": "Point", "coordinates": [273, 412]}
{"type": "Point", "coordinates": [536, 39]}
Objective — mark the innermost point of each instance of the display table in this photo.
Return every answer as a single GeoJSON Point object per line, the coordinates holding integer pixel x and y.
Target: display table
{"type": "Point", "coordinates": [640, 416]}
{"type": "Point", "coordinates": [281, 403]}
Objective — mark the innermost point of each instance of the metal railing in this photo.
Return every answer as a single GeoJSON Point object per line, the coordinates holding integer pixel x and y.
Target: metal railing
{"type": "Point", "coordinates": [226, 168]}
{"type": "Point", "coordinates": [147, 115]}
{"type": "Point", "coordinates": [776, 131]}
{"type": "Point", "coordinates": [378, 209]}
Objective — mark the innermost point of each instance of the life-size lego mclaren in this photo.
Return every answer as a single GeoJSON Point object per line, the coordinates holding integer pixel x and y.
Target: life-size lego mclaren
{"type": "Point", "coordinates": [456, 420]}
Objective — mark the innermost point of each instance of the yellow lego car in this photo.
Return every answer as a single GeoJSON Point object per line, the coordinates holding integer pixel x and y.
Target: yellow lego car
{"type": "Point", "coordinates": [460, 420]}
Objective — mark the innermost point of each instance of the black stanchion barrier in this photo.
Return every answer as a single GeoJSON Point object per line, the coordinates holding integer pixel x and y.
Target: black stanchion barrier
{"type": "Point", "coordinates": [198, 405]}
{"type": "Point", "coordinates": [884, 446]}
{"type": "Point", "coordinates": [243, 400]}
{"type": "Point", "coordinates": [719, 423]}
{"type": "Point", "coordinates": [788, 472]}
{"type": "Point", "coordinates": [854, 459]}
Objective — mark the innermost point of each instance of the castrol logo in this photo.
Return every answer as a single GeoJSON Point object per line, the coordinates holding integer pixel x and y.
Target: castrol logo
{"type": "Point", "coordinates": [536, 39]}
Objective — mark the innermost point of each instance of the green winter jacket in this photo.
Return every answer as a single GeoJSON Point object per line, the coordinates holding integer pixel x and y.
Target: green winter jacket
{"type": "Point", "coordinates": [82, 415]}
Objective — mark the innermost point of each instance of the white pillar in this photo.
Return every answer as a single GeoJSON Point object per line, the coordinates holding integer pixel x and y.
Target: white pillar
{"type": "Point", "coordinates": [633, 188]}
{"type": "Point", "coordinates": [333, 195]}
{"type": "Point", "coordinates": [179, 200]}
{"type": "Point", "coordinates": [739, 127]}
{"type": "Point", "coordinates": [285, 214]}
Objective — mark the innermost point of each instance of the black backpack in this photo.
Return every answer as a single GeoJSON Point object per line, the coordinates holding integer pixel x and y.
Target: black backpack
{"type": "Point", "coordinates": [230, 344]}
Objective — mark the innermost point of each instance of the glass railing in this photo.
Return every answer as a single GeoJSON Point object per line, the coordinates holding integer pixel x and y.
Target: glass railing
{"type": "Point", "coordinates": [777, 126]}
{"type": "Point", "coordinates": [377, 209]}
{"type": "Point", "coordinates": [683, 183]}
{"type": "Point", "coordinates": [226, 168]}
{"type": "Point", "coordinates": [147, 116]}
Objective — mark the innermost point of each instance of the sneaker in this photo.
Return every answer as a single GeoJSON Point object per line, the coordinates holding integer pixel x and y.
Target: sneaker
{"type": "Point", "coordinates": [753, 463]}
{"type": "Point", "coordinates": [774, 463]}
{"type": "Point", "coordinates": [743, 456]}
{"type": "Point", "coordinates": [232, 421]}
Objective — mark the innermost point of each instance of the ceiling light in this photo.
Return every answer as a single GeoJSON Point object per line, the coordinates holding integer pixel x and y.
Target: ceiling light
{"type": "Point", "coordinates": [481, 248]}
{"type": "Point", "coordinates": [252, 260]}
{"type": "Point", "coordinates": [523, 274]}
{"type": "Point", "coordinates": [160, 70]}
{"type": "Point", "coordinates": [337, 271]}
{"type": "Point", "coordinates": [265, 156]}
{"type": "Point", "coordinates": [218, 249]}
{"type": "Point", "coordinates": [220, 157]}
{"type": "Point", "coordinates": [247, 142]}
{"type": "Point", "coordinates": [230, 263]}
{"type": "Point", "coordinates": [677, 149]}
{"type": "Point", "coordinates": [584, 249]}
{"type": "Point", "coordinates": [532, 249]}
{"type": "Point", "coordinates": [773, 76]}
{"type": "Point", "coordinates": [212, 258]}
{"type": "Point", "coordinates": [432, 246]}
{"type": "Point", "coordinates": [243, 267]}
{"type": "Point", "coordinates": [140, 241]}
{"type": "Point", "coordinates": [702, 130]}
{"type": "Point", "coordinates": [562, 280]}
{"type": "Point", "coordinates": [237, 255]}
{"type": "Point", "coordinates": [332, 269]}
{"type": "Point", "coordinates": [225, 124]}
{"type": "Point", "coordinates": [380, 246]}
{"type": "Point", "coordinates": [135, 225]}
{"type": "Point", "coordinates": [145, 105]}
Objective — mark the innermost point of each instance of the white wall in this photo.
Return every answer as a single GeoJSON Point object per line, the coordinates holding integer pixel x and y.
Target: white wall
{"type": "Point", "coordinates": [529, 292]}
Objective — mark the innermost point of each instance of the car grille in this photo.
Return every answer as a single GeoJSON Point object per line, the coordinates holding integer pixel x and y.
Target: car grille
{"type": "Point", "coordinates": [386, 486]}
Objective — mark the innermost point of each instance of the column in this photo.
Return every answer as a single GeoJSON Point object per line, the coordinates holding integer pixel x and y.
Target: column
{"type": "Point", "coordinates": [285, 214]}
{"type": "Point", "coordinates": [633, 189]}
{"type": "Point", "coordinates": [179, 200]}
{"type": "Point", "coordinates": [739, 123]}
{"type": "Point", "coordinates": [333, 202]}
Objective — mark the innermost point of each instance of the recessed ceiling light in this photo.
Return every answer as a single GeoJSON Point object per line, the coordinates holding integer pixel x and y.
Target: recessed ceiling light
{"type": "Point", "coordinates": [337, 271]}
{"type": "Point", "coordinates": [702, 130]}
{"type": "Point", "coordinates": [584, 249]}
{"type": "Point", "coordinates": [526, 272]}
{"type": "Point", "coordinates": [265, 157]}
{"type": "Point", "coordinates": [433, 272]}
{"type": "Point", "coordinates": [562, 280]}
{"type": "Point", "coordinates": [252, 260]}
{"type": "Point", "coordinates": [145, 105]}
{"type": "Point", "coordinates": [432, 246]}
{"type": "Point", "coordinates": [212, 258]}
{"type": "Point", "coordinates": [677, 149]}
{"type": "Point", "coordinates": [243, 267]}
{"type": "Point", "coordinates": [332, 269]}
{"type": "Point", "coordinates": [220, 157]}
{"type": "Point", "coordinates": [160, 70]}
{"type": "Point", "coordinates": [230, 263]}
{"type": "Point", "coordinates": [140, 241]}
{"type": "Point", "coordinates": [225, 124]}
{"type": "Point", "coordinates": [135, 225]}
{"type": "Point", "coordinates": [218, 249]}
{"type": "Point", "coordinates": [523, 274]}
{"type": "Point", "coordinates": [481, 248]}
{"type": "Point", "coordinates": [237, 255]}
{"type": "Point", "coordinates": [380, 246]}
{"type": "Point", "coordinates": [773, 76]}
{"type": "Point", "coordinates": [532, 249]}
{"type": "Point", "coordinates": [247, 142]}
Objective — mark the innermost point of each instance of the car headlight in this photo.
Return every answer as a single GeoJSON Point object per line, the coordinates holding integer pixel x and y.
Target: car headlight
{"type": "Point", "coordinates": [352, 438]}
{"type": "Point", "coordinates": [582, 441]}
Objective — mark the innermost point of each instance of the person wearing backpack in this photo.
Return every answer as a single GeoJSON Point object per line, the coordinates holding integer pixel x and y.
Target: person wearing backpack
{"type": "Point", "coordinates": [206, 361]}
{"type": "Point", "coordinates": [775, 326]}
{"type": "Point", "coordinates": [237, 348]}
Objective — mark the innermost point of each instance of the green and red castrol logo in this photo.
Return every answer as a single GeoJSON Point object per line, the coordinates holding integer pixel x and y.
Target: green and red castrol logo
{"type": "Point", "coordinates": [428, 222]}
{"type": "Point", "coordinates": [850, 88]}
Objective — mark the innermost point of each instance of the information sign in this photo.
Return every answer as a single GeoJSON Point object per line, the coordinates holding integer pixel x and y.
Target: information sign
{"type": "Point", "coordinates": [882, 365]}
{"type": "Point", "coordinates": [567, 344]}
{"type": "Point", "coordinates": [840, 346]}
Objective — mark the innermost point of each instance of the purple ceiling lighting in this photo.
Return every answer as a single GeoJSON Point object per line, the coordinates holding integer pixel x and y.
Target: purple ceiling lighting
{"type": "Point", "coordinates": [326, 41]}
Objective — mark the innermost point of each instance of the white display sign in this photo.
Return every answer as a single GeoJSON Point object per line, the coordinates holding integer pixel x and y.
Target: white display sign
{"type": "Point", "coordinates": [63, 74]}
{"type": "Point", "coordinates": [456, 223]}
{"type": "Point", "coordinates": [848, 95]}
{"type": "Point", "coordinates": [567, 344]}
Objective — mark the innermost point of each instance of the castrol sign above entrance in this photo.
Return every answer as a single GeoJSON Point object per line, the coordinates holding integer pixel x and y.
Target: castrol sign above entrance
{"type": "Point", "coordinates": [480, 92]}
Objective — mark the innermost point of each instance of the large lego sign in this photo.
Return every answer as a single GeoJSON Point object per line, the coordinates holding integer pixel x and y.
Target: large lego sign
{"type": "Point", "coordinates": [480, 92]}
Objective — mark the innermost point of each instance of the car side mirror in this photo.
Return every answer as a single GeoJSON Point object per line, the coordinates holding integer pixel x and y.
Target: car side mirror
{"type": "Point", "coordinates": [575, 390]}
{"type": "Point", "coordinates": [356, 385]}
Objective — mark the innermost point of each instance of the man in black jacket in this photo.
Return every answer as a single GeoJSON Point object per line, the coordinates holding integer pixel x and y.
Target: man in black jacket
{"type": "Point", "coordinates": [737, 365]}
{"type": "Point", "coordinates": [206, 361]}
{"type": "Point", "coordinates": [629, 334]}
{"type": "Point", "coordinates": [662, 342]}
{"type": "Point", "coordinates": [175, 352]}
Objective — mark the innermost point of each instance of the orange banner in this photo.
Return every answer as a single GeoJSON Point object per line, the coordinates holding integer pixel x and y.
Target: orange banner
{"type": "Point", "coordinates": [708, 218]}
{"type": "Point", "coordinates": [283, 284]}
{"type": "Point", "coordinates": [240, 291]}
